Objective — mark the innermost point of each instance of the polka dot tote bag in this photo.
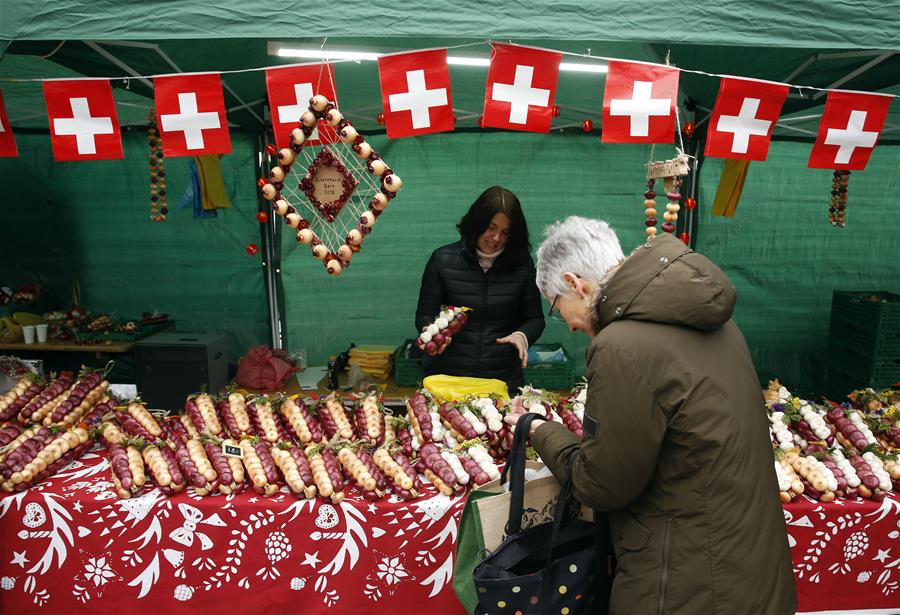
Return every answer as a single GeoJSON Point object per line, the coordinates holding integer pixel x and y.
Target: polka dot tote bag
{"type": "Point", "coordinates": [548, 568]}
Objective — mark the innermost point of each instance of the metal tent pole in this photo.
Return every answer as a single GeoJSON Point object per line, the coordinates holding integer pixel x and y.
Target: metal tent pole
{"type": "Point", "coordinates": [271, 255]}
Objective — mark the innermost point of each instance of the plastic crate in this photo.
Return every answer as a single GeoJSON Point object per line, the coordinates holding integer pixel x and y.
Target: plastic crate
{"type": "Point", "coordinates": [862, 362]}
{"type": "Point", "coordinates": [874, 311]}
{"type": "Point", "coordinates": [878, 343]}
{"type": "Point", "coordinates": [123, 336]}
{"type": "Point", "coordinates": [847, 369]}
{"type": "Point", "coordinates": [554, 376]}
{"type": "Point", "coordinates": [408, 369]}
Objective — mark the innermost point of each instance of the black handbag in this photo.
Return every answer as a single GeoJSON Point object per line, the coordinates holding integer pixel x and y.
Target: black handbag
{"type": "Point", "coordinates": [549, 568]}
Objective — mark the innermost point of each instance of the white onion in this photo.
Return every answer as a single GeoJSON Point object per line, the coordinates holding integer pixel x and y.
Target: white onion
{"type": "Point", "coordinates": [453, 461]}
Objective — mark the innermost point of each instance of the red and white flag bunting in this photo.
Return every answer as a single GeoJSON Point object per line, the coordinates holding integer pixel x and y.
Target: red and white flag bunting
{"type": "Point", "coordinates": [639, 106]}
{"type": "Point", "coordinates": [848, 131]}
{"type": "Point", "coordinates": [8, 147]}
{"type": "Point", "coordinates": [415, 92]}
{"type": "Point", "coordinates": [290, 89]}
{"type": "Point", "coordinates": [521, 87]}
{"type": "Point", "coordinates": [190, 113]}
{"type": "Point", "coordinates": [83, 121]}
{"type": "Point", "coordinates": [639, 103]}
{"type": "Point", "coordinates": [743, 118]}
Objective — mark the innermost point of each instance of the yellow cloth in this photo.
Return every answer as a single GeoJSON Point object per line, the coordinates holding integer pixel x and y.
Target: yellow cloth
{"type": "Point", "coordinates": [456, 388]}
{"type": "Point", "coordinates": [731, 185]}
{"type": "Point", "coordinates": [212, 186]}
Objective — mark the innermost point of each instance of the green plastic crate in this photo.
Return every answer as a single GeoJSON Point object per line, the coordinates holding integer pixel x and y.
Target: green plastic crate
{"type": "Point", "coordinates": [862, 360]}
{"type": "Point", "coordinates": [876, 342]}
{"type": "Point", "coordinates": [877, 311]}
{"type": "Point", "coordinates": [554, 376]}
{"type": "Point", "coordinates": [846, 374]}
{"type": "Point", "coordinates": [123, 336]}
{"type": "Point", "coordinates": [408, 369]}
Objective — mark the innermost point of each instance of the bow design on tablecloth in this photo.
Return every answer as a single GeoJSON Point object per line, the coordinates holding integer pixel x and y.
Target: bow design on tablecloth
{"type": "Point", "coordinates": [192, 518]}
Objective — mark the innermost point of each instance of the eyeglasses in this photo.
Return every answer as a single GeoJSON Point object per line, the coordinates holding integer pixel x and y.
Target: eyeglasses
{"type": "Point", "coordinates": [554, 315]}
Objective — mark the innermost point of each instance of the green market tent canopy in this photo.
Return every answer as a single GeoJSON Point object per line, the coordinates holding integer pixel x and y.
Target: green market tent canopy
{"type": "Point", "coordinates": [779, 249]}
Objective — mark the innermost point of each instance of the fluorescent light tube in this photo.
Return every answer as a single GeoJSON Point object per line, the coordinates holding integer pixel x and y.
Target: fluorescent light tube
{"type": "Point", "coordinates": [319, 54]}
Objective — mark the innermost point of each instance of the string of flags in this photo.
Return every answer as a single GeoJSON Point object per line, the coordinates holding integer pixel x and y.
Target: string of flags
{"type": "Point", "coordinates": [639, 106]}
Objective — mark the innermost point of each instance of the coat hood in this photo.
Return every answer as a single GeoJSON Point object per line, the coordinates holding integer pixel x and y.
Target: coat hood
{"type": "Point", "coordinates": [666, 282]}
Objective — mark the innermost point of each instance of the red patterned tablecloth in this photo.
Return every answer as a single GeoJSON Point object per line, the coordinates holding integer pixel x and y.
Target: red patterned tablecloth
{"type": "Point", "coordinates": [846, 555]}
{"type": "Point", "coordinates": [69, 545]}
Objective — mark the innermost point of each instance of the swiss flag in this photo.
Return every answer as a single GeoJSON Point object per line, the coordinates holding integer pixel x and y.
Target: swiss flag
{"type": "Point", "coordinates": [8, 147]}
{"type": "Point", "coordinates": [290, 89]}
{"type": "Point", "coordinates": [415, 92]}
{"type": "Point", "coordinates": [744, 117]}
{"type": "Point", "coordinates": [639, 103]}
{"type": "Point", "coordinates": [521, 85]}
{"type": "Point", "coordinates": [190, 114]}
{"type": "Point", "coordinates": [849, 130]}
{"type": "Point", "coordinates": [83, 121]}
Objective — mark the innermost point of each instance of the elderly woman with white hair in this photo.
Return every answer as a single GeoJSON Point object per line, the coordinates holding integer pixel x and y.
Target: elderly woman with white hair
{"type": "Point", "coordinates": [676, 447]}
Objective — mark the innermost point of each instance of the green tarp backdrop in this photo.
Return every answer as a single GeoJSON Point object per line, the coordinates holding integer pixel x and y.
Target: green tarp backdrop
{"type": "Point", "coordinates": [88, 222]}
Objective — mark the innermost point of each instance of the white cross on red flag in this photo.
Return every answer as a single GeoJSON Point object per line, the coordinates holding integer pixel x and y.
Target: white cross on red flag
{"type": "Point", "coordinates": [743, 118]}
{"type": "Point", "coordinates": [415, 92]}
{"type": "Point", "coordinates": [849, 130]}
{"type": "Point", "coordinates": [290, 89]}
{"type": "Point", "coordinates": [8, 147]}
{"type": "Point", "coordinates": [83, 121]}
{"type": "Point", "coordinates": [521, 86]}
{"type": "Point", "coordinates": [190, 114]}
{"type": "Point", "coordinates": [639, 103]}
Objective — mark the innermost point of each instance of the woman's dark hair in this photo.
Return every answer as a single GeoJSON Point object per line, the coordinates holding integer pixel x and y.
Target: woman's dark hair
{"type": "Point", "coordinates": [496, 200]}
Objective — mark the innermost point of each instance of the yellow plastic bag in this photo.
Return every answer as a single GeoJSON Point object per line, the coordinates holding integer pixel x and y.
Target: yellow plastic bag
{"type": "Point", "coordinates": [456, 388]}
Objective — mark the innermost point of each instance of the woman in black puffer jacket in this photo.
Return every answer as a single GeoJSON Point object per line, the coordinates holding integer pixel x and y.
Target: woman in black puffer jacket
{"type": "Point", "coordinates": [491, 271]}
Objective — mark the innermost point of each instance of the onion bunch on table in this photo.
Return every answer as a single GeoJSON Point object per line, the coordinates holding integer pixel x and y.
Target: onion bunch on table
{"type": "Point", "coordinates": [86, 392]}
{"type": "Point", "coordinates": [47, 400]}
{"type": "Point", "coordinates": [332, 414]}
{"type": "Point", "coordinates": [46, 451]}
{"type": "Point", "coordinates": [303, 425]}
{"type": "Point", "coordinates": [27, 388]}
{"type": "Point", "coordinates": [369, 416]}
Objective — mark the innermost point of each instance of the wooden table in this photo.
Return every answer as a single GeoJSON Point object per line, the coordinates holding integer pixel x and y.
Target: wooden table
{"type": "Point", "coordinates": [104, 348]}
{"type": "Point", "coordinates": [392, 392]}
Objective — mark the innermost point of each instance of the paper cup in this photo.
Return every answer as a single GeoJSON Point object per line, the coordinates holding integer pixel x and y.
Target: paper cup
{"type": "Point", "coordinates": [41, 333]}
{"type": "Point", "coordinates": [28, 332]}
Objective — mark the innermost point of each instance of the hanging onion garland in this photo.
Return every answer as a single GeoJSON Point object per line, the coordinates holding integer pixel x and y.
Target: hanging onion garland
{"type": "Point", "coordinates": [673, 193]}
{"type": "Point", "coordinates": [671, 172]}
{"type": "Point", "coordinates": [650, 208]}
{"type": "Point", "coordinates": [158, 203]}
{"type": "Point", "coordinates": [837, 210]}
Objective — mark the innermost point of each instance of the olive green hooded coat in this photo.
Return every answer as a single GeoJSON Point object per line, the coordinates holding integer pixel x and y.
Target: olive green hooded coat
{"type": "Point", "coordinates": [680, 456]}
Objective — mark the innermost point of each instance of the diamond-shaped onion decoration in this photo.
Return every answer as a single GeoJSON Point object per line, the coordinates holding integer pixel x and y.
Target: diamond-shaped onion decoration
{"type": "Point", "coordinates": [329, 202]}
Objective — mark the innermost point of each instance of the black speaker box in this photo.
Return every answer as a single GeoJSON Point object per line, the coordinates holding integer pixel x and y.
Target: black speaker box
{"type": "Point", "coordinates": [171, 366]}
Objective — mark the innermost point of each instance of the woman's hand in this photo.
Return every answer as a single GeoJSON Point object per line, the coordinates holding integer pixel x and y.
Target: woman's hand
{"type": "Point", "coordinates": [442, 348]}
{"type": "Point", "coordinates": [517, 339]}
{"type": "Point", "coordinates": [517, 411]}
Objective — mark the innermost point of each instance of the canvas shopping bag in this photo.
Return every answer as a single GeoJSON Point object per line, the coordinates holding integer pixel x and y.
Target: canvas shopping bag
{"type": "Point", "coordinates": [483, 521]}
{"type": "Point", "coordinates": [547, 568]}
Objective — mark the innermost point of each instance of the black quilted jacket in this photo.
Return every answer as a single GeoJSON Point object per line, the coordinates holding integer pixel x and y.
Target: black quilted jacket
{"type": "Point", "coordinates": [503, 300]}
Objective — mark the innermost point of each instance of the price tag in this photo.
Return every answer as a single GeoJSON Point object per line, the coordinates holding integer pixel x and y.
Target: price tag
{"type": "Point", "coordinates": [231, 450]}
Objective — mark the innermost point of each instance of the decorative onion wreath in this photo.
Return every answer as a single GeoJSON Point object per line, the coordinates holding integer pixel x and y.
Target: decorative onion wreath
{"type": "Point", "coordinates": [345, 188]}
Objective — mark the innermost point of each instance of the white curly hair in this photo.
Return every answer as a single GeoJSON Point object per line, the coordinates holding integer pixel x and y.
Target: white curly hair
{"type": "Point", "coordinates": [584, 246]}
